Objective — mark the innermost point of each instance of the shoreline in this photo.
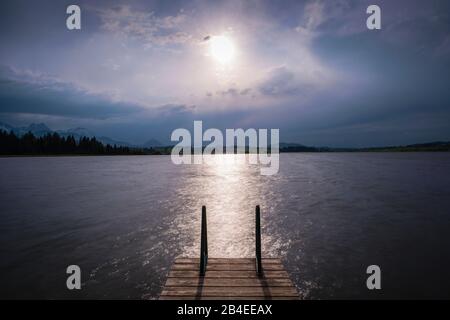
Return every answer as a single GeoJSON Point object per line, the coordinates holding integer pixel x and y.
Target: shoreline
{"type": "Point", "coordinates": [168, 154]}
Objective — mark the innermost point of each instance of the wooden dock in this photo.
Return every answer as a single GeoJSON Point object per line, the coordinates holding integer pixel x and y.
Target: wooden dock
{"type": "Point", "coordinates": [228, 278]}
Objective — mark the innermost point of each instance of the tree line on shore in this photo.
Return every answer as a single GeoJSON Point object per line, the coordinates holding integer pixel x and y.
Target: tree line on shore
{"type": "Point", "coordinates": [54, 144]}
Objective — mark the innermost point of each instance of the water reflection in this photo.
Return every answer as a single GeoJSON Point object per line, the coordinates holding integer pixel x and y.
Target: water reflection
{"type": "Point", "coordinates": [228, 186]}
{"type": "Point", "coordinates": [124, 220]}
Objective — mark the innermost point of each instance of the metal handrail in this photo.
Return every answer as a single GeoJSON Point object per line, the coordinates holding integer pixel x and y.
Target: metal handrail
{"type": "Point", "coordinates": [259, 270]}
{"type": "Point", "coordinates": [203, 244]}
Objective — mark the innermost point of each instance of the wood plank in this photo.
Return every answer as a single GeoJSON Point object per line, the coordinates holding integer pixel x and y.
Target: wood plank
{"type": "Point", "coordinates": [227, 274]}
{"type": "Point", "coordinates": [232, 282]}
{"type": "Point", "coordinates": [265, 292]}
{"type": "Point", "coordinates": [227, 278]}
{"type": "Point", "coordinates": [224, 298]}
{"type": "Point", "coordinates": [227, 267]}
{"type": "Point", "coordinates": [228, 260]}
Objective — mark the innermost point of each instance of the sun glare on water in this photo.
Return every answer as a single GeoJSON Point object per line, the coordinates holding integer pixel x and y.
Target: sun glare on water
{"type": "Point", "coordinates": [222, 49]}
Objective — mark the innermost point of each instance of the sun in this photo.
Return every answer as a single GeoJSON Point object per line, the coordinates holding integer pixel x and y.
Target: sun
{"type": "Point", "coordinates": [222, 49]}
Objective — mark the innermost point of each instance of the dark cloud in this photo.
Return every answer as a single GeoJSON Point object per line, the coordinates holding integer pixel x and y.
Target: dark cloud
{"type": "Point", "coordinates": [231, 92]}
{"type": "Point", "coordinates": [173, 110]}
{"type": "Point", "coordinates": [43, 96]}
{"type": "Point", "coordinates": [245, 91]}
{"type": "Point", "coordinates": [281, 82]}
{"type": "Point", "coordinates": [391, 88]}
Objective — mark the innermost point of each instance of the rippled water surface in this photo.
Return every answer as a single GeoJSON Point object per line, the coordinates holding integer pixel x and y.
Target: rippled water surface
{"type": "Point", "coordinates": [124, 219]}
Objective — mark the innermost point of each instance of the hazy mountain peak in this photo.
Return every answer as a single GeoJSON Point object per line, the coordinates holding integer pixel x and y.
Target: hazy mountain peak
{"type": "Point", "coordinates": [152, 143]}
{"type": "Point", "coordinates": [80, 131]}
{"type": "Point", "coordinates": [5, 127]}
{"type": "Point", "coordinates": [36, 127]}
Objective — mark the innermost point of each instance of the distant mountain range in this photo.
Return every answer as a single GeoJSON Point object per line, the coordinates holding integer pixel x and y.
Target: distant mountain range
{"type": "Point", "coordinates": [152, 143]}
{"type": "Point", "coordinates": [41, 129]}
{"type": "Point", "coordinates": [430, 146]}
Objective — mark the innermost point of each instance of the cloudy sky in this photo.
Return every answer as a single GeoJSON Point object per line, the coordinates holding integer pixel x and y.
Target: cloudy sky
{"type": "Point", "coordinates": [139, 69]}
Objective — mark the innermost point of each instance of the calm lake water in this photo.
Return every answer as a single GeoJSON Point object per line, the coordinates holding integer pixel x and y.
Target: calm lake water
{"type": "Point", "coordinates": [327, 215]}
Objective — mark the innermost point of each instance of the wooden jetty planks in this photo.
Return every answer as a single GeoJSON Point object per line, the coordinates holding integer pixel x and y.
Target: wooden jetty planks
{"type": "Point", "coordinates": [227, 260]}
{"type": "Point", "coordinates": [230, 282]}
{"type": "Point", "coordinates": [225, 278]}
{"type": "Point", "coordinates": [228, 274]}
{"type": "Point", "coordinates": [226, 298]}
{"type": "Point", "coordinates": [226, 267]}
{"type": "Point", "coordinates": [230, 291]}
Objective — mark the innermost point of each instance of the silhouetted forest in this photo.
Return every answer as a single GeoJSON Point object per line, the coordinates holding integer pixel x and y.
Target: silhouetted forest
{"type": "Point", "coordinates": [54, 144]}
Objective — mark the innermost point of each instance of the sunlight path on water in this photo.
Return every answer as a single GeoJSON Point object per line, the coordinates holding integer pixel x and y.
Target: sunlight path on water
{"type": "Point", "coordinates": [230, 188]}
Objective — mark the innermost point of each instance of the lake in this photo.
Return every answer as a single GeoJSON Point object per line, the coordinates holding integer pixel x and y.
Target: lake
{"type": "Point", "coordinates": [123, 220]}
